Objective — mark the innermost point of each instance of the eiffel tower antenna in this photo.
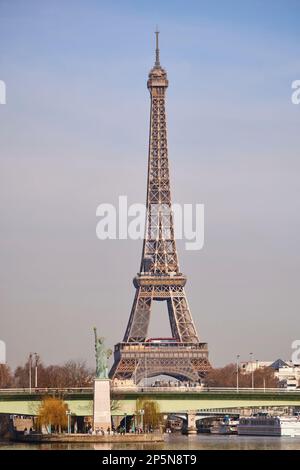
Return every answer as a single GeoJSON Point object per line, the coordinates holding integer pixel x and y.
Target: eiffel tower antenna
{"type": "Point", "coordinates": [157, 62]}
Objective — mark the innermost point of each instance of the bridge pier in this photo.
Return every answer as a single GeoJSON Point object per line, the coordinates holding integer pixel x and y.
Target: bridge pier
{"type": "Point", "coordinates": [191, 422]}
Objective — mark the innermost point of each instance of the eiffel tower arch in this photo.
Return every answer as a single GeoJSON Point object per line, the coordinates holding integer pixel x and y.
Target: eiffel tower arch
{"type": "Point", "coordinates": [183, 356]}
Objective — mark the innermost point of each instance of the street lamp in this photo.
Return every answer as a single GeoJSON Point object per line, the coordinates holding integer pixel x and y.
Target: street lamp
{"type": "Point", "coordinates": [237, 372]}
{"type": "Point", "coordinates": [30, 370]}
{"type": "Point", "coordinates": [252, 370]}
{"type": "Point", "coordinates": [68, 413]}
{"type": "Point", "coordinates": [142, 419]}
{"type": "Point", "coordinates": [36, 370]}
{"type": "Point", "coordinates": [125, 415]}
{"type": "Point", "coordinates": [30, 367]}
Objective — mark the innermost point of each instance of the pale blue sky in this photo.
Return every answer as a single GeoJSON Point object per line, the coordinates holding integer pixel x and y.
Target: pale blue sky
{"type": "Point", "coordinates": [74, 134]}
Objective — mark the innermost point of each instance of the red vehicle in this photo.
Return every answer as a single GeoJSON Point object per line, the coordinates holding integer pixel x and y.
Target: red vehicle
{"type": "Point", "coordinates": [161, 340]}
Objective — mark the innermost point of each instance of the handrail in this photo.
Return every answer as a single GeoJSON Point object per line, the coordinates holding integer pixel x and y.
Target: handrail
{"type": "Point", "coordinates": [191, 389]}
{"type": "Point", "coordinates": [47, 390]}
{"type": "Point", "coordinates": [170, 389]}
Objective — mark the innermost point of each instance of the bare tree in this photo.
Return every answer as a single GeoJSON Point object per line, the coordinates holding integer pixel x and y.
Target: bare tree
{"type": "Point", "coordinates": [76, 374]}
{"type": "Point", "coordinates": [70, 374]}
{"type": "Point", "coordinates": [6, 377]}
{"type": "Point", "coordinates": [221, 377]}
{"type": "Point", "coordinates": [265, 377]}
{"type": "Point", "coordinates": [226, 377]}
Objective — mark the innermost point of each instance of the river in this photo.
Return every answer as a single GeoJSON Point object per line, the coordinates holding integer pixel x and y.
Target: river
{"type": "Point", "coordinates": [176, 442]}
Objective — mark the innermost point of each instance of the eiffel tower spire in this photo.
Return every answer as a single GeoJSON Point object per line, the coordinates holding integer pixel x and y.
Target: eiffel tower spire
{"type": "Point", "coordinates": [157, 63]}
{"type": "Point", "coordinates": [159, 278]}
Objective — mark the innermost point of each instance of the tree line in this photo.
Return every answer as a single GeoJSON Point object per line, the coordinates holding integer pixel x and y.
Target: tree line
{"type": "Point", "coordinates": [77, 374]}
{"type": "Point", "coordinates": [227, 377]}
{"type": "Point", "coordinates": [70, 374]}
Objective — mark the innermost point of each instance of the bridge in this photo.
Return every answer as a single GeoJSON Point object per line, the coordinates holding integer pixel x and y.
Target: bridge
{"type": "Point", "coordinates": [170, 400]}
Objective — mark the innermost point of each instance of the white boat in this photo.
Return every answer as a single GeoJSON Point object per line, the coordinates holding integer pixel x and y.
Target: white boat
{"type": "Point", "coordinates": [227, 426]}
{"type": "Point", "coordinates": [290, 426]}
{"type": "Point", "coordinates": [269, 426]}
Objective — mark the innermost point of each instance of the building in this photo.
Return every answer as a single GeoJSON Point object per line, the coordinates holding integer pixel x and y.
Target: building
{"type": "Point", "coordinates": [287, 372]}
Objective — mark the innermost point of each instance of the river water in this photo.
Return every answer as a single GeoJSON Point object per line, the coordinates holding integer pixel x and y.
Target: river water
{"type": "Point", "coordinates": [176, 442]}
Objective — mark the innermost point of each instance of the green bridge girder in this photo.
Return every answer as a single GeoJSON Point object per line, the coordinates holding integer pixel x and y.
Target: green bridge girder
{"type": "Point", "coordinates": [81, 404]}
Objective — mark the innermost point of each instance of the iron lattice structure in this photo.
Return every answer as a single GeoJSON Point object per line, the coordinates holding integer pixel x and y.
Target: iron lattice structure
{"type": "Point", "coordinates": [159, 278]}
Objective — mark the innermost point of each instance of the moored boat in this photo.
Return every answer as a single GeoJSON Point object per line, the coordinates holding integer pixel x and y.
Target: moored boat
{"type": "Point", "coordinates": [227, 426]}
{"type": "Point", "coordinates": [264, 425]}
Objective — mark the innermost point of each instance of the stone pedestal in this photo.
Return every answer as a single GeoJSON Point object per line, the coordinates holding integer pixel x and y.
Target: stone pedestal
{"type": "Point", "coordinates": [101, 415]}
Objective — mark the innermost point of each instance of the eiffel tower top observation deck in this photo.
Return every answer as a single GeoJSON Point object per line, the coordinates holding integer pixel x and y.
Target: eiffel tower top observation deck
{"type": "Point", "coordinates": [159, 278]}
{"type": "Point", "coordinates": [157, 75]}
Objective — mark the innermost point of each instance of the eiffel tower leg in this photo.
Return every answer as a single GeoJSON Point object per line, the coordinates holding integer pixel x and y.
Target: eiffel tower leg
{"type": "Point", "coordinates": [136, 332]}
{"type": "Point", "coordinates": [181, 321]}
{"type": "Point", "coordinates": [137, 327]}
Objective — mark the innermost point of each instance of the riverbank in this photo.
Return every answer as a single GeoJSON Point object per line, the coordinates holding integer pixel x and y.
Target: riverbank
{"type": "Point", "coordinates": [171, 442]}
{"type": "Point", "coordinates": [88, 438]}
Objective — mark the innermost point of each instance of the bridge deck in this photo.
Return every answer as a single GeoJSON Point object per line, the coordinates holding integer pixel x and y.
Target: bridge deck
{"type": "Point", "coordinates": [80, 401]}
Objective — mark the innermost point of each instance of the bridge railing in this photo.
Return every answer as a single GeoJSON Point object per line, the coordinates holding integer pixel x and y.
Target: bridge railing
{"type": "Point", "coordinates": [45, 390]}
{"type": "Point", "coordinates": [183, 389]}
{"type": "Point", "coordinates": [147, 389]}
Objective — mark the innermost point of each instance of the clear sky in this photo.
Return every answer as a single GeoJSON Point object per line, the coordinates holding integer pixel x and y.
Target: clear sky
{"type": "Point", "coordinates": [74, 133]}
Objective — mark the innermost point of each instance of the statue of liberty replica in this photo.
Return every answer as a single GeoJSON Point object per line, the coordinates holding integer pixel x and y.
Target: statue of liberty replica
{"type": "Point", "coordinates": [102, 415]}
{"type": "Point", "coordinates": [102, 355]}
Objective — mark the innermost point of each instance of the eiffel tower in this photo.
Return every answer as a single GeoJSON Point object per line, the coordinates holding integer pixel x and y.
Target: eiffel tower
{"type": "Point", "coordinates": [183, 356]}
